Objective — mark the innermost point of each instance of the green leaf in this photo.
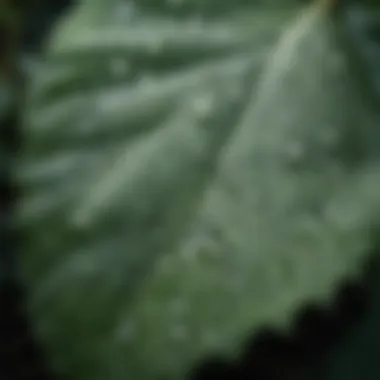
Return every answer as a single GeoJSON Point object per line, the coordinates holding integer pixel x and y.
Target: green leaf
{"type": "Point", "coordinates": [184, 188]}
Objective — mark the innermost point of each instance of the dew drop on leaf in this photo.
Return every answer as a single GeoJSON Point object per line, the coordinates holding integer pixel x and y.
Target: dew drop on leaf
{"type": "Point", "coordinates": [127, 330]}
{"type": "Point", "coordinates": [204, 105]}
{"type": "Point", "coordinates": [178, 332]}
{"type": "Point", "coordinates": [119, 67]}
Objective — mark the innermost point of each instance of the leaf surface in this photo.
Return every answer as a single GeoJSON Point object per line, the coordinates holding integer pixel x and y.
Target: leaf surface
{"type": "Point", "coordinates": [185, 187]}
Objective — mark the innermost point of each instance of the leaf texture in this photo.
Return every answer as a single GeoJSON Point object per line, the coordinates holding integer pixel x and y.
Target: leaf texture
{"type": "Point", "coordinates": [185, 187]}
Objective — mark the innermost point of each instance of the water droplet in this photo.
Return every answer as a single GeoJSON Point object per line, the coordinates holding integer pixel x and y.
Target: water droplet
{"type": "Point", "coordinates": [156, 46]}
{"type": "Point", "coordinates": [295, 151]}
{"type": "Point", "coordinates": [127, 330]}
{"type": "Point", "coordinates": [210, 338]}
{"type": "Point", "coordinates": [126, 11]}
{"type": "Point", "coordinates": [196, 24]}
{"type": "Point", "coordinates": [234, 92]}
{"type": "Point", "coordinates": [179, 306]}
{"type": "Point", "coordinates": [190, 251]}
{"type": "Point", "coordinates": [308, 223]}
{"type": "Point", "coordinates": [84, 264]}
{"type": "Point", "coordinates": [165, 266]}
{"type": "Point", "coordinates": [178, 332]}
{"type": "Point", "coordinates": [204, 105]}
{"type": "Point", "coordinates": [338, 61]}
{"type": "Point", "coordinates": [344, 218]}
{"type": "Point", "coordinates": [105, 103]}
{"type": "Point", "coordinates": [119, 67]}
{"type": "Point", "coordinates": [329, 136]}
{"type": "Point", "coordinates": [236, 283]}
